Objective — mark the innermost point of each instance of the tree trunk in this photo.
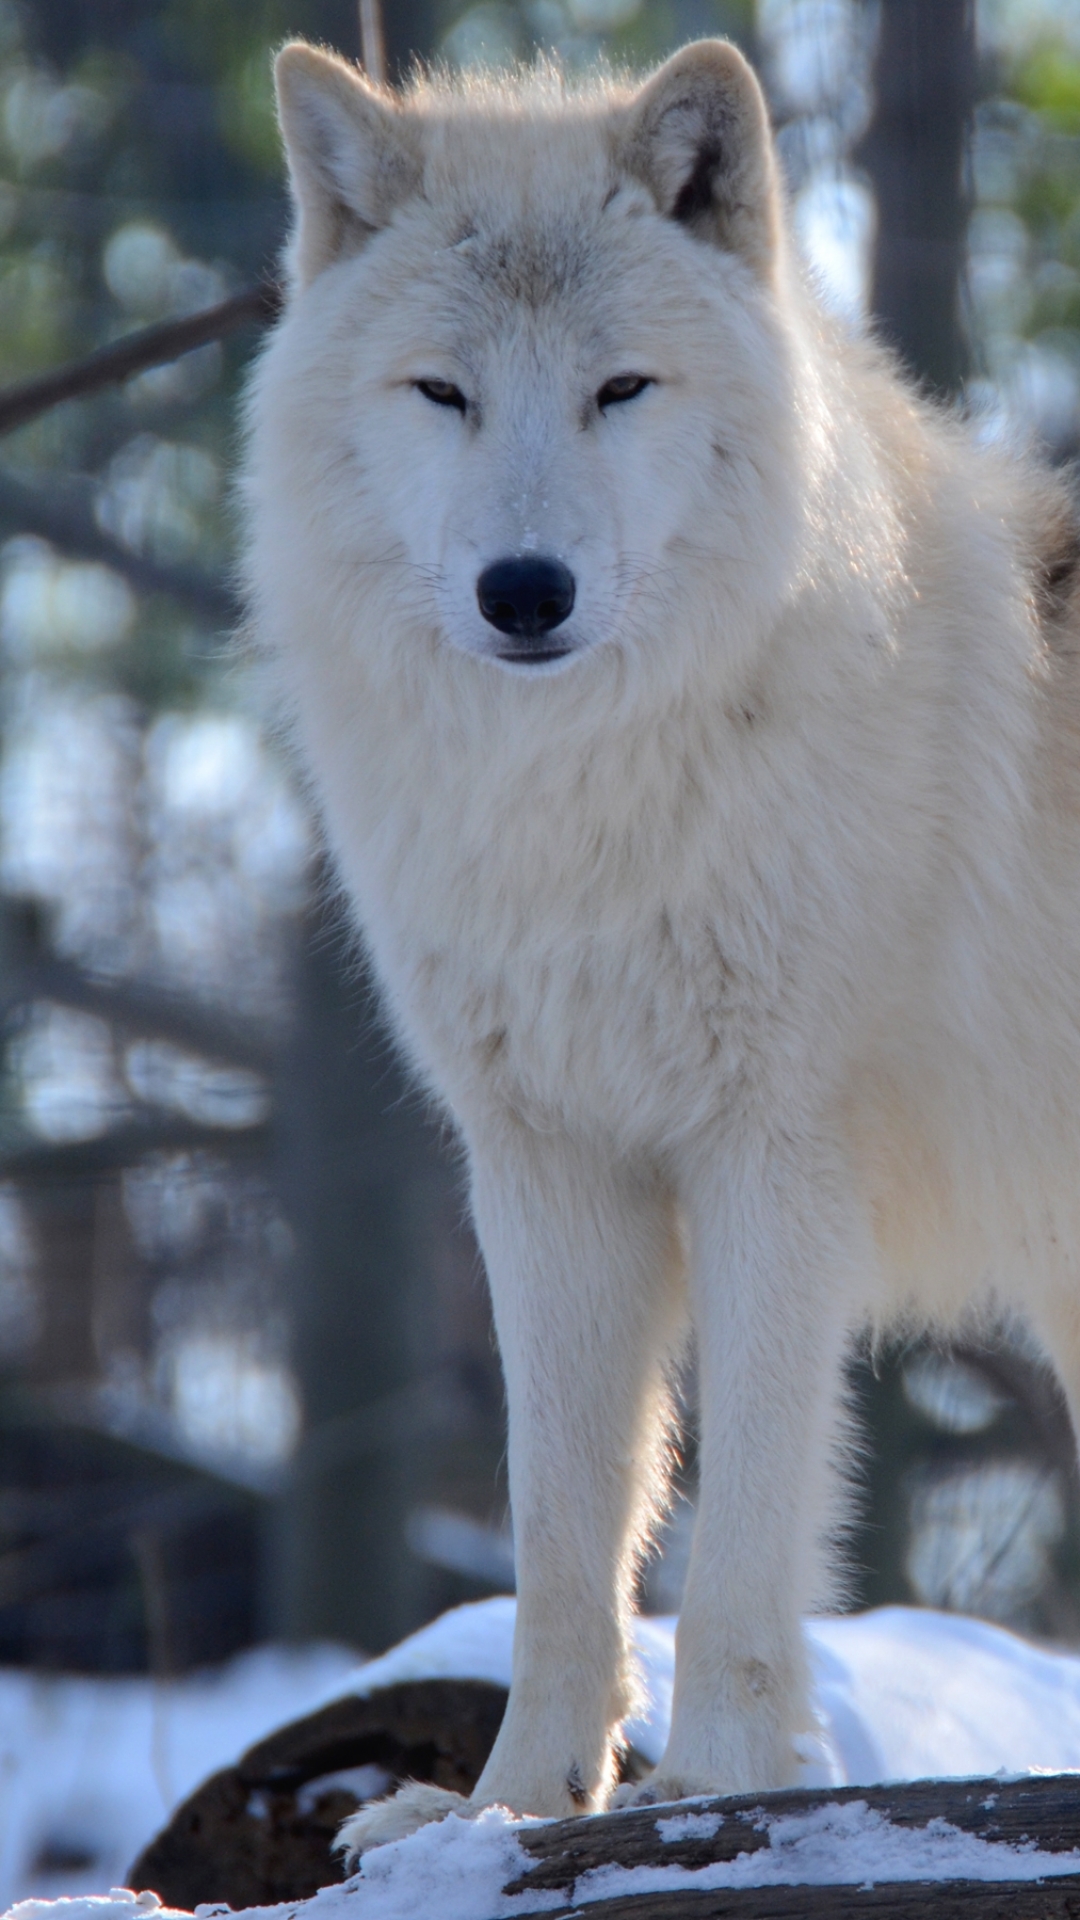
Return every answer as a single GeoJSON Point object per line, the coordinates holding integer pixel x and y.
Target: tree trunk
{"type": "Point", "coordinates": [915, 154]}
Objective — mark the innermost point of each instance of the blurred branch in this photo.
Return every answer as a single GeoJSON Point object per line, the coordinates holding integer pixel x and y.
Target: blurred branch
{"type": "Point", "coordinates": [83, 1549]}
{"type": "Point", "coordinates": [31, 971]}
{"type": "Point", "coordinates": [150, 347]}
{"type": "Point", "coordinates": [433, 1403]}
{"type": "Point", "coordinates": [62, 513]}
{"type": "Point", "coordinates": [124, 1146]}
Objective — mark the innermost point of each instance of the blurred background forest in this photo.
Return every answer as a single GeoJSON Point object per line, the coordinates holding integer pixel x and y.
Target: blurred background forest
{"type": "Point", "coordinates": [247, 1382]}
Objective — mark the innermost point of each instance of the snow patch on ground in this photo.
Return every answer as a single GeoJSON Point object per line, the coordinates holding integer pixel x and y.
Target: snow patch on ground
{"type": "Point", "coordinates": [475, 1642]}
{"type": "Point", "coordinates": [90, 1769]}
{"type": "Point", "coordinates": [902, 1693]}
{"type": "Point", "coordinates": [456, 1869]}
{"type": "Point", "coordinates": [909, 1694]}
{"type": "Point", "coordinates": [118, 1904]}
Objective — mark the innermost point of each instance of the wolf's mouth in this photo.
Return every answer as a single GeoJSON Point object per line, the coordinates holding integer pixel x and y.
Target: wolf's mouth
{"type": "Point", "coordinates": [531, 657]}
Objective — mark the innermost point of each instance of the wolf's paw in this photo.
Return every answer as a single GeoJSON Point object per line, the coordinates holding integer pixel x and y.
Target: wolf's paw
{"type": "Point", "coordinates": [413, 1806]}
{"type": "Point", "coordinates": [657, 1791]}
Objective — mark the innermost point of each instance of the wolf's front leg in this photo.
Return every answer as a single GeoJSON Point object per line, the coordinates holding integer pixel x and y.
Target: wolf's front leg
{"type": "Point", "coordinates": [589, 1301]}
{"type": "Point", "coordinates": [588, 1294]}
{"type": "Point", "coordinates": [779, 1263]}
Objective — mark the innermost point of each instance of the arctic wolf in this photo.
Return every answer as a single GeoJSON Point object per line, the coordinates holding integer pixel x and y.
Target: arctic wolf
{"type": "Point", "coordinates": [693, 713]}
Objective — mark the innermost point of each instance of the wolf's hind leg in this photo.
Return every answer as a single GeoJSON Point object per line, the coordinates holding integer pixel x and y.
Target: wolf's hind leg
{"type": "Point", "coordinates": [1057, 1323]}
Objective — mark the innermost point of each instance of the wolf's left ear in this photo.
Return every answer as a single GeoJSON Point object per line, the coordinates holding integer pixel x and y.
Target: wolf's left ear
{"type": "Point", "coordinates": [698, 136]}
{"type": "Point", "coordinates": [353, 155]}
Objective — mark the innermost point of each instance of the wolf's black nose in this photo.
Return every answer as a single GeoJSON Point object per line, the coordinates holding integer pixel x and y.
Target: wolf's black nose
{"type": "Point", "coordinates": [526, 597]}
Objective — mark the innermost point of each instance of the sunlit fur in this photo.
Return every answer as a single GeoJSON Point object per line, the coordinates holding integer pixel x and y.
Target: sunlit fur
{"type": "Point", "coordinates": [743, 944]}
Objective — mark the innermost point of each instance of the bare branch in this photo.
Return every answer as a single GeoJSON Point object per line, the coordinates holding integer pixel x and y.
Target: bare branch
{"type": "Point", "coordinates": [63, 514]}
{"type": "Point", "coordinates": [30, 970]}
{"type": "Point", "coordinates": [150, 347]}
{"type": "Point", "coordinates": [42, 1161]}
{"type": "Point", "coordinates": [92, 1543]}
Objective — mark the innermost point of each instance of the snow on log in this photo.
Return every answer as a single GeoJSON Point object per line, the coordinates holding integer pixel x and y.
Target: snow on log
{"type": "Point", "coordinates": [1040, 1810]}
{"type": "Point", "coordinates": [992, 1827]}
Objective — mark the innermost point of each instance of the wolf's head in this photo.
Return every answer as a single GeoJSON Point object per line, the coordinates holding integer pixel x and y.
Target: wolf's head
{"type": "Point", "coordinates": [537, 364]}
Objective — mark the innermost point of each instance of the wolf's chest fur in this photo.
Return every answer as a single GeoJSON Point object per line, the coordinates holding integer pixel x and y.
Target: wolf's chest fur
{"type": "Point", "coordinates": [615, 955]}
{"type": "Point", "coordinates": [640, 1034]}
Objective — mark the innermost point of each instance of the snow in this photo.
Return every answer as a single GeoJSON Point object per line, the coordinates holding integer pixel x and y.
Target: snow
{"type": "Point", "coordinates": [458, 1869]}
{"type": "Point", "coordinates": [836, 1845]}
{"type": "Point", "coordinates": [94, 1767]}
{"type": "Point", "coordinates": [118, 1904]}
{"type": "Point", "coordinates": [909, 1694]}
{"type": "Point", "coordinates": [689, 1826]}
{"type": "Point", "coordinates": [901, 1694]}
{"type": "Point", "coordinates": [473, 1642]}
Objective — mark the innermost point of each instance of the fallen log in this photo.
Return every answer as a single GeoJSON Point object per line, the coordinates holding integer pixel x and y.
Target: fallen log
{"type": "Point", "coordinates": [1042, 1812]}
{"type": "Point", "coordinates": [262, 1831]}
{"type": "Point", "coordinates": [904, 1900]}
{"type": "Point", "coordinates": [1040, 1809]}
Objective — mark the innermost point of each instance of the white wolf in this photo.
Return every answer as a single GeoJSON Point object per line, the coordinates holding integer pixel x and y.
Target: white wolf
{"type": "Point", "coordinates": [693, 713]}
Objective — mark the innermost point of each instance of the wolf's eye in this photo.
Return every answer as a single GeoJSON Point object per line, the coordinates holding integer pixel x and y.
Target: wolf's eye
{"type": "Point", "coordinates": [625, 386]}
{"type": "Point", "coordinates": [443, 393]}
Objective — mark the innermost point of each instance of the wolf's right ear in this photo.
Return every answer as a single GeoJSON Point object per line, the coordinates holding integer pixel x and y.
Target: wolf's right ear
{"type": "Point", "coordinates": [698, 137]}
{"type": "Point", "coordinates": [353, 157]}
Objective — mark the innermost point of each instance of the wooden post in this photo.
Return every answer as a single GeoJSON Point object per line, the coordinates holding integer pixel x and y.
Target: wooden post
{"type": "Point", "coordinates": [373, 41]}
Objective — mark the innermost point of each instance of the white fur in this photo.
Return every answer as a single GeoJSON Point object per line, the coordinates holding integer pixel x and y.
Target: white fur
{"type": "Point", "coordinates": [743, 943]}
